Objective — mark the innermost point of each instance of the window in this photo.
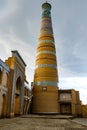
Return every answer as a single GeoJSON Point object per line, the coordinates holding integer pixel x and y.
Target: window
{"type": "Point", "coordinates": [44, 88]}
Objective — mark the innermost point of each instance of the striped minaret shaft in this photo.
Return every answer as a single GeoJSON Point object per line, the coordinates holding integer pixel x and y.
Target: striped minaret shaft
{"type": "Point", "coordinates": [45, 91]}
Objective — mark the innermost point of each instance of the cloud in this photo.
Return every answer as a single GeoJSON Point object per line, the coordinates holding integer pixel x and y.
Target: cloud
{"type": "Point", "coordinates": [9, 9]}
{"type": "Point", "coordinates": [80, 49]}
{"type": "Point", "coordinates": [71, 57]}
{"type": "Point", "coordinates": [11, 41]}
{"type": "Point", "coordinates": [70, 32]}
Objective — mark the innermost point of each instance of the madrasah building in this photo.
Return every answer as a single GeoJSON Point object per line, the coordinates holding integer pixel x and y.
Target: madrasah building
{"type": "Point", "coordinates": [45, 96]}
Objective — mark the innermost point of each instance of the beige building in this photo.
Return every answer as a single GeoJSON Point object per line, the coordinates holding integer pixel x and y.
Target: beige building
{"type": "Point", "coordinates": [69, 102]}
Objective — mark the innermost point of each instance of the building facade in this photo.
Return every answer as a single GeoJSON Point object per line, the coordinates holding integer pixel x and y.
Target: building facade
{"type": "Point", "coordinates": [12, 86]}
{"type": "Point", "coordinates": [16, 86]}
{"type": "Point", "coordinates": [69, 102]}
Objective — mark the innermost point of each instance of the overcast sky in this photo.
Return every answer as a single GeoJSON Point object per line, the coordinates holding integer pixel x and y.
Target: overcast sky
{"type": "Point", "coordinates": [19, 30]}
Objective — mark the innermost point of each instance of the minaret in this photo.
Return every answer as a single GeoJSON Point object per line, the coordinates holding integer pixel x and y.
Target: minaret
{"type": "Point", "coordinates": [45, 89]}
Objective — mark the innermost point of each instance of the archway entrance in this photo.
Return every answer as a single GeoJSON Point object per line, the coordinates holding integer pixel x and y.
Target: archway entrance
{"type": "Point", "coordinates": [18, 96]}
{"type": "Point", "coordinates": [65, 108]}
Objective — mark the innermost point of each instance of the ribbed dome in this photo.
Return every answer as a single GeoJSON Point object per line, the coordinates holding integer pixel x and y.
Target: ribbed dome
{"type": "Point", "coordinates": [46, 6]}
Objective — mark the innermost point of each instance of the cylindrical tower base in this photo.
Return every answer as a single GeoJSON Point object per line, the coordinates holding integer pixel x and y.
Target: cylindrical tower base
{"type": "Point", "coordinates": [45, 100]}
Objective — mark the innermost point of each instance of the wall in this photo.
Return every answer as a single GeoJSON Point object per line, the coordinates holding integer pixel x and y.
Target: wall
{"type": "Point", "coordinates": [84, 111]}
{"type": "Point", "coordinates": [45, 99]}
{"type": "Point", "coordinates": [4, 74]}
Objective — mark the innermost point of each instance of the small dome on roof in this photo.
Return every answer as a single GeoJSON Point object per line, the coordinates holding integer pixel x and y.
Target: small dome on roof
{"type": "Point", "coordinates": [46, 5]}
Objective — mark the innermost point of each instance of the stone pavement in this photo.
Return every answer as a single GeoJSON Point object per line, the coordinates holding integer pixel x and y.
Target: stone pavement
{"type": "Point", "coordinates": [34, 122]}
{"type": "Point", "coordinates": [82, 121]}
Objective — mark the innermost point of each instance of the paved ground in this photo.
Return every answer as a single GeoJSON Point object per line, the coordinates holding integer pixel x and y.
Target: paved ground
{"type": "Point", "coordinates": [39, 123]}
{"type": "Point", "coordinates": [82, 121]}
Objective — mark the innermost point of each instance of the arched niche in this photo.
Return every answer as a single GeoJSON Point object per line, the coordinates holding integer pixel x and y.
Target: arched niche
{"type": "Point", "coordinates": [18, 83]}
{"type": "Point", "coordinates": [18, 95]}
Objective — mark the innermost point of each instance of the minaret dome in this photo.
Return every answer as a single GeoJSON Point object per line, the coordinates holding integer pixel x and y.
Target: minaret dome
{"type": "Point", "coordinates": [46, 6]}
